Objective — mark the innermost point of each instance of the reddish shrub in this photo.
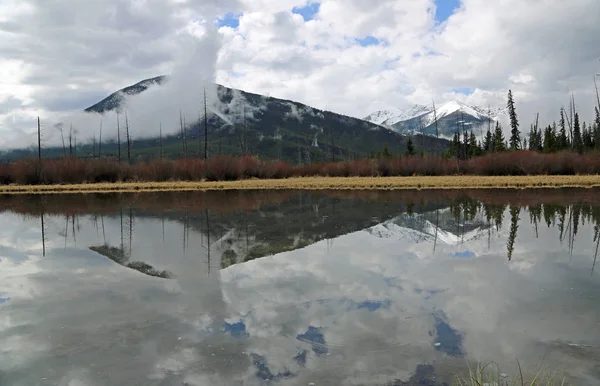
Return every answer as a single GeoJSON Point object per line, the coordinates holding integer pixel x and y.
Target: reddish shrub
{"type": "Point", "coordinates": [277, 170]}
{"type": "Point", "coordinates": [6, 174]}
{"type": "Point", "coordinates": [27, 172]}
{"type": "Point", "coordinates": [189, 169]}
{"type": "Point", "coordinates": [158, 170]}
{"type": "Point", "coordinates": [224, 168]}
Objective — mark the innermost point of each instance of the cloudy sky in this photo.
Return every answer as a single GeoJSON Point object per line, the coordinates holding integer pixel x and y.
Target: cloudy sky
{"type": "Point", "coordinates": [350, 56]}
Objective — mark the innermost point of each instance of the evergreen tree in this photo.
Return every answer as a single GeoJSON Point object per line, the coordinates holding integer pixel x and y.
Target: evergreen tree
{"type": "Point", "coordinates": [386, 152]}
{"type": "Point", "coordinates": [532, 134]}
{"type": "Point", "coordinates": [410, 149]}
{"type": "Point", "coordinates": [474, 149]}
{"type": "Point", "coordinates": [563, 140]}
{"type": "Point", "coordinates": [549, 140]}
{"type": "Point", "coordinates": [588, 139]}
{"type": "Point", "coordinates": [577, 139]}
{"type": "Point", "coordinates": [466, 145]}
{"type": "Point", "coordinates": [515, 134]}
{"type": "Point", "coordinates": [525, 143]}
{"type": "Point", "coordinates": [535, 139]}
{"type": "Point", "coordinates": [488, 142]}
{"type": "Point", "coordinates": [498, 144]}
{"type": "Point", "coordinates": [456, 145]}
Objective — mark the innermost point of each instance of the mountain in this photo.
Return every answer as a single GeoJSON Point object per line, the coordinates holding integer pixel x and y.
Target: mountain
{"type": "Point", "coordinates": [281, 129]}
{"type": "Point", "coordinates": [421, 118]}
{"type": "Point", "coordinates": [116, 99]}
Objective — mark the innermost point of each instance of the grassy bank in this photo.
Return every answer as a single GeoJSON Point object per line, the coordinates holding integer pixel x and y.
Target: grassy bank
{"type": "Point", "coordinates": [321, 183]}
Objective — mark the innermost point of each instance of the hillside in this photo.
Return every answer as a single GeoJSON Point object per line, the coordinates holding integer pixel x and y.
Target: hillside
{"type": "Point", "coordinates": [279, 129]}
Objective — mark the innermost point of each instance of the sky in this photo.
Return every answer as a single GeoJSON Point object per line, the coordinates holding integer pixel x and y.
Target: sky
{"type": "Point", "coordinates": [352, 57]}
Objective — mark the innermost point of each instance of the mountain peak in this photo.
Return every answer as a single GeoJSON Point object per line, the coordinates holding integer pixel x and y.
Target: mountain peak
{"type": "Point", "coordinates": [423, 118]}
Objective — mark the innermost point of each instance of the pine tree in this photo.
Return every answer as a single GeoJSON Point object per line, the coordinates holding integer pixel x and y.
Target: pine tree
{"type": "Point", "coordinates": [498, 140]}
{"type": "Point", "coordinates": [410, 149]}
{"type": "Point", "coordinates": [563, 141]}
{"type": "Point", "coordinates": [549, 140]}
{"type": "Point", "coordinates": [487, 142]}
{"type": "Point", "coordinates": [587, 136]}
{"type": "Point", "coordinates": [535, 139]}
{"type": "Point", "coordinates": [386, 152]}
{"type": "Point", "coordinates": [577, 139]}
{"type": "Point", "coordinates": [456, 145]}
{"type": "Point", "coordinates": [474, 149]}
{"type": "Point", "coordinates": [466, 145]}
{"type": "Point", "coordinates": [515, 134]}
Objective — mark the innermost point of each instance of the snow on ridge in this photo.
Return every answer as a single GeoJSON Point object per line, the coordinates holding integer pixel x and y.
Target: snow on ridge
{"type": "Point", "coordinates": [392, 117]}
{"type": "Point", "coordinates": [382, 116]}
{"type": "Point", "coordinates": [413, 112]}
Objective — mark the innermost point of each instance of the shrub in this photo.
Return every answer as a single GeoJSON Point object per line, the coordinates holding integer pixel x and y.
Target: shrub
{"type": "Point", "coordinates": [224, 168]}
{"type": "Point", "coordinates": [229, 168]}
{"type": "Point", "coordinates": [6, 174]}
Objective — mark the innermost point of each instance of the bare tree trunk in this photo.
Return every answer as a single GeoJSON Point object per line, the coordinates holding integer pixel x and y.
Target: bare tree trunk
{"type": "Point", "coordinates": [185, 143]}
{"type": "Point", "coordinates": [437, 133]}
{"type": "Point", "coordinates": [205, 128]}
{"type": "Point", "coordinates": [118, 138]}
{"type": "Point", "coordinates": [39, 140]}
{"type": "Point", "coordinates": [71, 140]}
{"type": "Point", "coordinates": [100, 141]}
{"type": "Point", "coordinates": [128, 139]}
{"type": "Point", "coordinates": [94, 146]}
{"type": "Point", "coordinates": [597, 95]}
{"type": "Point", "coordinates": [181, 129]}
{"type": "Point", "coordinates": [160, 140]}
{"type": "Point", "coordinates": [62, 135]}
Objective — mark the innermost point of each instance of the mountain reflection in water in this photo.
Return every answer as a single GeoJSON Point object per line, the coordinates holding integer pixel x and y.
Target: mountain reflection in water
{"type": "Point", "coordinates": [364, 287]}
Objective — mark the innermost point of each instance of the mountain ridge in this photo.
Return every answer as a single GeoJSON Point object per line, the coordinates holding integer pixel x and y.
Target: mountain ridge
{"type": "Point", "coordinates": [278, 128]}
{"type": "Point", "coordinates": [450, 115]}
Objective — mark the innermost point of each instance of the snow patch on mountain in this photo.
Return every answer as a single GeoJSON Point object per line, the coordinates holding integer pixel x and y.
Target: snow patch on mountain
{"type": "Point", "coordinates": [379, 117]}
{"type": "Point", "coordinates": [429, 232]}
{"type": "Point", "coordinates": [428, 115]}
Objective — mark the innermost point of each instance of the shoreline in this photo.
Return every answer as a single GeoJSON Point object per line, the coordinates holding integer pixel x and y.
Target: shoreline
{"type": "Point", "coordinates": [320, 183]}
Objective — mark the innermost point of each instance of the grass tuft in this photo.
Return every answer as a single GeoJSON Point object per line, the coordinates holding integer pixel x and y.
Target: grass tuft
{"type": "Point", "coordinates": [490, 375]}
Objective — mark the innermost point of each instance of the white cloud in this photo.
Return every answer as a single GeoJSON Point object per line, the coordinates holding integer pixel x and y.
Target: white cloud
{"type": "Point", "coordinates": [66, 55]}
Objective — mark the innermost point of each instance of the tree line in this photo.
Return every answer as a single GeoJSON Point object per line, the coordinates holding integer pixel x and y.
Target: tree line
{"type": "Point", "coordinates": [570, 133]}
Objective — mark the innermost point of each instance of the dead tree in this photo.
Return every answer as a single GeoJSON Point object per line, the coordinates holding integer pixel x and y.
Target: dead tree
{"type": "Point", "coordinates": [205, 127]}
{"type": "Point", "coordinates": [100, 141]}
{"type": "Point", "coordinates": [437, 133]}
{"type": "Point", "coordinates": [160, 140]}
{"type": "Point", "coordinates": [128, 138]}
{"type": "Point", "coordinates": [71, 140]}
{"type": "Point", "coordinates": [39, 131]}
{"type": "Point", "coordinates": [118, 138]}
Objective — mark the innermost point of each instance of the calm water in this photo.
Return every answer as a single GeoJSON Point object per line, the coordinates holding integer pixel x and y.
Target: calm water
{"type": "Point", "coordinates": [249, 288]}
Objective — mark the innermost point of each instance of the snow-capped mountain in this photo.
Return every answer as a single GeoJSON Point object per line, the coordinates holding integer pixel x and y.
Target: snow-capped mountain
{"type": "Point", "coordinates": [391, 117]}
{"type": "Point", "coordinates": [449, 116]}
{"type": "Point", "coordinates": [383, 116]}
{"type": "Point", "coordinates": [422, 228]}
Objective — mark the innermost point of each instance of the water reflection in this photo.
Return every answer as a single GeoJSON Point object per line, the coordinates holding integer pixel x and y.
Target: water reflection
{"type": "Point", "coordinates": [292, 288]}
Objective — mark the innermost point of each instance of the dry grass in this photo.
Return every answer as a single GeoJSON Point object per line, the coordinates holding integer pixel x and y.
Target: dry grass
{"type": "Point", "coordinates": [320, 183]}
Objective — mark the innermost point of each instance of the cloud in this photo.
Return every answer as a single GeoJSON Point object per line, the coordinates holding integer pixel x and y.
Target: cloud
{"type": "Point", "coordinates": [351, 56]}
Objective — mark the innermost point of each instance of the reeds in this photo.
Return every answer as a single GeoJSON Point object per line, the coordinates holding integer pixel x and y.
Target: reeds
{"type": "Point", "coordinates": [490, 374]}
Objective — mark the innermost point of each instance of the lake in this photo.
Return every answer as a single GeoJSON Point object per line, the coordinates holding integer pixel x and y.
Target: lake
{"type": "Point", "coordinates": [298, 288]}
